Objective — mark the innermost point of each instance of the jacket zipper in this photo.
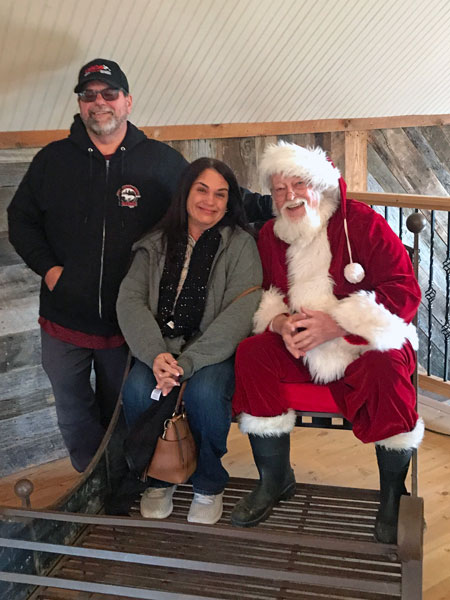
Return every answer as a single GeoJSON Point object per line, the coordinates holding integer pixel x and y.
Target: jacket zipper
{"type": "Point", "coordinates": [100, 307]}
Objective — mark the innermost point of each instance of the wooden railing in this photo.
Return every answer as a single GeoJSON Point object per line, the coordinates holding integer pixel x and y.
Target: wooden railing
{"type": "Point", "coordinates": [403, 200]}
{"type": "Point", "coordinates": [434, 278]}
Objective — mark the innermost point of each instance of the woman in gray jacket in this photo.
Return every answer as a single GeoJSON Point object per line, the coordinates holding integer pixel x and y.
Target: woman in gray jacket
{"type": "Point", "coordinates": [178, 311]}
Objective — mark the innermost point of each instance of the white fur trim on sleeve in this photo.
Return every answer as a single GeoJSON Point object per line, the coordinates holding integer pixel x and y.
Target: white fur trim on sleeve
{"type": "Point", "coordinates": [405, 441]}
{"type": "Point", "coordinates": [272, 304]}
{"type": "Point", "coordinates": [328, 361]}
{"type": "Point", "coordinates": [267, 426]}
{"type": "Point", "coordinates": [360, 314]}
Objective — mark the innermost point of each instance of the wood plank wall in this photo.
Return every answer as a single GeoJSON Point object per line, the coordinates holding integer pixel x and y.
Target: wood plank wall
{"type": "Point", "coordinates": [28, 430]}
{"type": "Point", "coordinates": [411, 160]}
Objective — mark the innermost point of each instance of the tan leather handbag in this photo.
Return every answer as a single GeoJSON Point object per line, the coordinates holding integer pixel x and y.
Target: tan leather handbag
{"type": "Point", "coordinates": [175, 456]}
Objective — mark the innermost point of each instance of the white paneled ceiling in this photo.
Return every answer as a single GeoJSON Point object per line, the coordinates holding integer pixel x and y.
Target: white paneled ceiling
{"type": "Point", "coordinates": [228, 61]}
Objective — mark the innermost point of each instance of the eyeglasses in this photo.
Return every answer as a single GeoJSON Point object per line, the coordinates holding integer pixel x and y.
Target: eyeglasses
{"type": "Point", "coordinates": [108, 94]}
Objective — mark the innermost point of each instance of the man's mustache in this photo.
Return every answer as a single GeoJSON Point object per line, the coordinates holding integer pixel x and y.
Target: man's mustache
{"type": "Point", "coordinates": [294, 203]}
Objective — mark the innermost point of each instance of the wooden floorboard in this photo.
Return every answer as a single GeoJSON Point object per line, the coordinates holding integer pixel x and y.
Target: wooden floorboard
{"type": "Point", "coordinates": [436, 414]}
{"type": "Point", "coordinates": [318, 457]}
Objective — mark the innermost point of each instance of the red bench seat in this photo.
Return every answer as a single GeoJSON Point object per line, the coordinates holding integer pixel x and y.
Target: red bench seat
{"type": "Point", "coordinates": [310, 397]}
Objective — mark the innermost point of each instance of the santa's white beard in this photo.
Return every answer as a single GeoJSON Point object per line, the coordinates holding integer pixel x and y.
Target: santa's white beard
{"type": "Point", "coordinates": [304, 230]}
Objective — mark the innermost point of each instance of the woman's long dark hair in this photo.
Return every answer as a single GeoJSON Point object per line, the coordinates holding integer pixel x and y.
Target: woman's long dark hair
{"type": "Point", "coordinates": [174, 224]}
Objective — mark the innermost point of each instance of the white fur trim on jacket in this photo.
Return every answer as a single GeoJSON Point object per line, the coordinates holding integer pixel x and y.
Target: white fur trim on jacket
{"type": "Point", "coordinates": [360, 314]}
{"type": "Point", "coordinates": [405, 441]}
{"type": "Point", "coordinates": [272, 304]}
{"type": "Point", "coordinates": [328, 361]}
{"type": "Point", "coordinates": [267, 426]}
{"type": "Point", "coordinates": [310, 286]}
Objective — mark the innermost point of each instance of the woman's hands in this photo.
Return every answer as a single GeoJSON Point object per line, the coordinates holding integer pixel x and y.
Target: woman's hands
{"type": "Point", "coordinates": [305, 330]}
{"type": "Point", "coordinates": [167, 372]}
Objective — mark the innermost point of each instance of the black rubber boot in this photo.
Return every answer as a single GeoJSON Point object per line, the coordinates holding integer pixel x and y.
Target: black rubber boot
{"type": "Point", "coordinates": [393, 466]}
{"type": "Point", "coordinates": [277, 481]}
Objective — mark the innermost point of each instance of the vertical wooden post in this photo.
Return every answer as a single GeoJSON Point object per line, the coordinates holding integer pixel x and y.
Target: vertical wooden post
{"type": "Point", "coordinates": [356, 160]}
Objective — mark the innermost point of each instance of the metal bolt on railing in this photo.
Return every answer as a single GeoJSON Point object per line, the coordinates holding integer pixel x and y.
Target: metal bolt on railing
{"type": "Point", "coordinates": [23, 489]}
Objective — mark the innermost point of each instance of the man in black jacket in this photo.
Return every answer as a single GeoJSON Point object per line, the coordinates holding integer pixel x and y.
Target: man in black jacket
{"type": "Point", "coordinates": [82, 204]}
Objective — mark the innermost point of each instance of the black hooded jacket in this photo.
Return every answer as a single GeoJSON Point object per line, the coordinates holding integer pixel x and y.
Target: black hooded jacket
{"type": "Point", "coordinates": [76, 209]}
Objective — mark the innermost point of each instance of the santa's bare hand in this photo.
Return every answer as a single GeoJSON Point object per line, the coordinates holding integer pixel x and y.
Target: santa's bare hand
{"type": "Point", "coordinates": [287, 327]}
{"type": "Point", "coordinates": [316, 327]}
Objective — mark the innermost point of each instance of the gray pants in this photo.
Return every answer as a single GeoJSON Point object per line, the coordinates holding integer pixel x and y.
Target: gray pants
{"type": "Point", "coordinates": [83, 414]}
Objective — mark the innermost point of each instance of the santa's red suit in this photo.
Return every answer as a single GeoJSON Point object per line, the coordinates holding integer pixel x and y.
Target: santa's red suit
{"type": "Point", "coordinates": [369, 371]}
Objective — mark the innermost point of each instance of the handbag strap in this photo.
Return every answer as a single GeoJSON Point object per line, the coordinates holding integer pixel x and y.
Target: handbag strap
{"type": "Point", "coordinates": [245, 292]}
{"type": "Point", "coordinates": [179, 403]}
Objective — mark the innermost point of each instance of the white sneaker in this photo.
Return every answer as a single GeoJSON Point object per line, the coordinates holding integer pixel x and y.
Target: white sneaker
{"type": "Point", "coordinates": [206, 509]}
{"type": "Point", "coordinates": [156, 503]}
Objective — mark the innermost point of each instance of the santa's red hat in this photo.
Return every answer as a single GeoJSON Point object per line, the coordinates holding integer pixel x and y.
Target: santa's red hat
{"type": "Point", "coordinates": [318, 172]}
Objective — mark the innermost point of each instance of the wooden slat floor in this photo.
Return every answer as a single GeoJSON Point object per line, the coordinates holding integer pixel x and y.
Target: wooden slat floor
{"type": "Point", "coordinates": [320, 456]}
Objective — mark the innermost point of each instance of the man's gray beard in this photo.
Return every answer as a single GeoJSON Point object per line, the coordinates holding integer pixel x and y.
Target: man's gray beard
{"type": "Point", "coordinates": [104, 128]}
{"type": "Point", "coordinates": [301, 231]}
{"type": "Point", "coordinates": [304, 230]}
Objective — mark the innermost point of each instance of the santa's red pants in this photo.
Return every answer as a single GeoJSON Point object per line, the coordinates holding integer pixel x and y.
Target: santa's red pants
{"type": "Point", "coordinates": [376, 394]}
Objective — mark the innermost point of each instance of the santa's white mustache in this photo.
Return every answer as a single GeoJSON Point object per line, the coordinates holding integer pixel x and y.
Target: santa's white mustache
{"type": "Point", "coordinates": [294, 203]}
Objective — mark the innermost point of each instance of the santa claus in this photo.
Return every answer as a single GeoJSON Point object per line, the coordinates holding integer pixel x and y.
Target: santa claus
{"type": "Point", "coordinates": [340, 295]}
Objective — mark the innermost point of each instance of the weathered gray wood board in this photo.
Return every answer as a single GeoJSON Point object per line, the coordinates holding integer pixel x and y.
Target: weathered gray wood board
{"type": "Point", "coordinates": [243, 154]}
{"type": "Point", "coordinates": [413, 160]}
{"type": "Point", "coordinates": [416, 160]}
{"type": "Point", "coordinates": [28, 430]}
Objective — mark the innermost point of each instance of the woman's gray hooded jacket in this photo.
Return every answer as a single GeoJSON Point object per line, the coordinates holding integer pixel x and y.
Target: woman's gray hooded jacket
{"type": "Point", "coordinates": [236, 267]}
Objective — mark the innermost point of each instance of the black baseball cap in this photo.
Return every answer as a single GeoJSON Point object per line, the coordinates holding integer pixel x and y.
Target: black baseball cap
{"type": "Point", "coordinates": [101, 69]}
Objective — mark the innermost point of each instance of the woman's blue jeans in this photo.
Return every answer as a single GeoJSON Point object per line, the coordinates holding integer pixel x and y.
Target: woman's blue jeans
{"type": "Point", "coordinates": [207, 399]}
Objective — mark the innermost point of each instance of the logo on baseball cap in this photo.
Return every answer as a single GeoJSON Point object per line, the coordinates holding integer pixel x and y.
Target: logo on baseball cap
{"type": "Point", "coordinates": [101, 69]}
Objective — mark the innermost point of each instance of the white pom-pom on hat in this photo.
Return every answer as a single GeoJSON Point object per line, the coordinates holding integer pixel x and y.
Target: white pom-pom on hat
{"type": "Point", "coordinates": [354, 273]}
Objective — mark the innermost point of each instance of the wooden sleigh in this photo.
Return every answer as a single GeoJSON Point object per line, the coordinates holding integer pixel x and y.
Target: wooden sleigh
{"type": "Point", "coordinates": [318, 545]}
